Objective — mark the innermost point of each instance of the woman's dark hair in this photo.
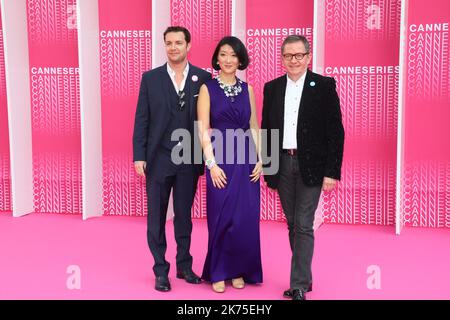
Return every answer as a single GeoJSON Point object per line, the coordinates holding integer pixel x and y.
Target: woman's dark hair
{"type": "Point", "coordinates": [238, 48]}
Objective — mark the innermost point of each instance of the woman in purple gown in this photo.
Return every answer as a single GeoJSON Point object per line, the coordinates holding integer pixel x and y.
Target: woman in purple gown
{"type": "Point", "coordinates": [227, 106]}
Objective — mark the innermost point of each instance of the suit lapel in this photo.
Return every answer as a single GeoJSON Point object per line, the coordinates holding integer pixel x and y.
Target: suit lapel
{"type": "Point", "coordinates": [190, 90]}
{"type": "Point", "coordinates": [167, 86]}
{"type": "Point", "coordinates": [307, 94]}
{"type": "Point", "coordinates": [281, 90]}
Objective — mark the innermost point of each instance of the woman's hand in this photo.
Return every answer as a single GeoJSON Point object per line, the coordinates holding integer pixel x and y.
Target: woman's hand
{"type": "Point", "coordinates": [256, 173]}
{"type": "Point", "coordinates": [218, 177]}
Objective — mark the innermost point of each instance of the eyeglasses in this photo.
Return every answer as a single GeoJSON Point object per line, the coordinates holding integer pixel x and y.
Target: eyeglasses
{"type": "Point", "coordinates": [181, 102]}
{"type": "Point", "coordinates": [298, 56]}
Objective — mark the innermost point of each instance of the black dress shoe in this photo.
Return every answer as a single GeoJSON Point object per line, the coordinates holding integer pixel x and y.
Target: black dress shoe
{"type": "Point", "coordinates": [189, 276]}
{"type": "Point", "coordinates": [298, 295]}
{"type": "Point", "coordinates": [288, 292]}
{"type": "Point", "coordinates": [162, 284]}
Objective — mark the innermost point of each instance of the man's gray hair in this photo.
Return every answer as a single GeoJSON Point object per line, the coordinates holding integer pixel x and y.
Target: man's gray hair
{"type": "Point", "coordinates": [296, 38]}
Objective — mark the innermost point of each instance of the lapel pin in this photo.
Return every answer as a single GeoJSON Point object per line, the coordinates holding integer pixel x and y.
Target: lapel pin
{"type": "Point", "coordinates": [312, 83]}
{"type": "Point", "coordinates": [194, 78]}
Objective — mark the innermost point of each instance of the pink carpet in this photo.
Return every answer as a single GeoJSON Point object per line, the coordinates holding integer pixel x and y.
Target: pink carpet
{"type": "Point", "coordinates": [115, 263]}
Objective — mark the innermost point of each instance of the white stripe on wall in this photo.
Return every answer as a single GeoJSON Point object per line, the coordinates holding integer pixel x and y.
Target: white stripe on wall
{"type": "Point", "coordinates": [239, 26]}
{"type": "Point", "coordinates": [318, 66]}
{"type": "Point", "coordinates": [401, 117]}
{"type": "Point", "coordinates": [160, 22]}
{"type": "Point", "coordinates": [90, 107]}
{"type": "Point", "coordinates": [319, 36]}
{"type": "Point", "coordinates": [17, 71]}
{"type": "Point", "coordinates": [161, 19]}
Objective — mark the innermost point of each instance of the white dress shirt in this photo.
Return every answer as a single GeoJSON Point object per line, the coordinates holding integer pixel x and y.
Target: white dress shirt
{"type": "Point", "coordinates": [171, 73]}
{"type": "Point", "coordinates": [294, 90]}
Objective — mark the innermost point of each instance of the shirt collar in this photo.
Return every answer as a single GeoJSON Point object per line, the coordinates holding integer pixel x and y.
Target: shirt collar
{"type": "Point", "coordinates": [299, 81]}
{"type": "Point", "coordinates": [172, 72]}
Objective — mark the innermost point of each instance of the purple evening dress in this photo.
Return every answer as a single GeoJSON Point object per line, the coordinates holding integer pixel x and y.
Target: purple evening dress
{"type": "Point", "coordinates": [233, 213]}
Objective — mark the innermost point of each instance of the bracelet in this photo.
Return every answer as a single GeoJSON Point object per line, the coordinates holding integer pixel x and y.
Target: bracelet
{"type": "Point", "coordinates": [210, 163]}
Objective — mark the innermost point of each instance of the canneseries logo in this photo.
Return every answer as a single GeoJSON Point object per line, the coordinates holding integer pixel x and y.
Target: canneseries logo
{"type": "Point", "coordinates": [428, 64]}
{"type": "Point", "coordinates": [273, 37]}
{"type": "Point", "coordinates": [124, 55]}
{"type": "Point", "coordinates": [362, 70]}
{"type": "Point", "coordinates": [54, 91]}
{"type": "Point", "coordinates": [367, 94]}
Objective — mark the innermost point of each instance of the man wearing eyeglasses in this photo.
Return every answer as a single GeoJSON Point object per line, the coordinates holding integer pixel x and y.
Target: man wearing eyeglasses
{"type": "Point", "coordinates": [304, 107]}
{"type": "Point", "coordinates": [167, 102]}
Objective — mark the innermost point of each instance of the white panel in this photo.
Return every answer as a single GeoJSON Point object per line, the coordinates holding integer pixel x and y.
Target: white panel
{"type": "Point", "coordinates": [90, 107]}
{"type": "Point", "coordinates": [318, 66]}
{"type": "Point", "coordinates": [401, 116]}
{"type": "Point", "coordinates": [239, 26]}
{"type": "Point", "coordinates": [17, 71]}
{"type": "Point", "coordinates": [160, 21]}
{"type": "Point", "coordinates": [319, 36]}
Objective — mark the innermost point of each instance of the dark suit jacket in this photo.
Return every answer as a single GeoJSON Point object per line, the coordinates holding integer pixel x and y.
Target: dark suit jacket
{"type": "Point", "coordinates": [320, 134]}
{"type": "Point", "coordinates": [153, 111]}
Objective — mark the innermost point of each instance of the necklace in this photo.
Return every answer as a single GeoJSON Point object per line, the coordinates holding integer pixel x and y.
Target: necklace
{"type": "Point", "coordinates": [231, 90]}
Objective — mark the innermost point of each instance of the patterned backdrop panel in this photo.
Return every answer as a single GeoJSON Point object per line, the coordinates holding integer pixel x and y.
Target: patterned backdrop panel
{"type": "Point", "coordinates": [361, 53]}
{"type": "Point", "coordinates": [55, 106]}
{"type": "Point", "coordinates": [5, 173]}
{"type": "Point", "coordinates": [125, 53]}
{"type": "Point", "coordinates": [208, 21]}
{"type": "Point", "coordinates": [426, 170]}
{"type": "Point", "coordinates": [264, 36]}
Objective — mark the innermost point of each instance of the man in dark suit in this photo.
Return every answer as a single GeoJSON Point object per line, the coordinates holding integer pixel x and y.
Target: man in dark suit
{"type": "Point", "coordinates": [167, 102]}
{"type": "Point", "coordinates": [304, 107]}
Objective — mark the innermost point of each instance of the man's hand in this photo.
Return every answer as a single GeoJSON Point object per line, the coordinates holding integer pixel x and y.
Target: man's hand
{"type": "Point", "coordinates": [328, 184]}
{"type": "Point", "coordinates": [140, 166]}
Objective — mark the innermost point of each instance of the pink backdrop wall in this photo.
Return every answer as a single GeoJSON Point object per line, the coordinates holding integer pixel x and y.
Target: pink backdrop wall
{"type": "Point", "coordinates": [52, 38]}
{"type": "Point", "coordinates": [426, 169]}
{"type": "Point", "coordinates": [5, 174]}
{"type": "Point", "coordinates": [265, 34]}
{"type": "Point", "coordinates": [361, 53]}
{"type": "Point", "coordinates": [125, 53]}
{"type": "Point", "coordinates": [208, 21]}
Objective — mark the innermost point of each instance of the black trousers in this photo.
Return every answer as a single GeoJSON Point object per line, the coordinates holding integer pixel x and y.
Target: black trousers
{"type": "Point", "coordinates": [184, 185]}
{"type": "Point", "coordinates": [299, 204]}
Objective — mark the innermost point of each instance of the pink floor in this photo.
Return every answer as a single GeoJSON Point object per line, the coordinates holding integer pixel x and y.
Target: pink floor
{"type": "Point", "coordinates": [115, 263]}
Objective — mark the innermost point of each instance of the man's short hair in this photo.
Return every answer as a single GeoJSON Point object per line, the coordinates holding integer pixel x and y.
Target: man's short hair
{"type": "Point", "coordinates": [296, 38]}
{"type": "Point", "coordinates": [187, 34]}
